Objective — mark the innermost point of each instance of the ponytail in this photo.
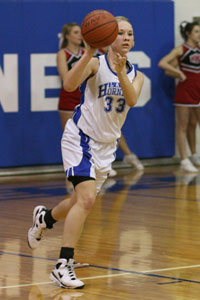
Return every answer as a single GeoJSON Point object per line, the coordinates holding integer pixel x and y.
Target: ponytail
{"type": "Point", "coordinates": [185, 28]}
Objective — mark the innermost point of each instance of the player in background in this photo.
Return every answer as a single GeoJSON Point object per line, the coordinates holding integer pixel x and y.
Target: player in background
{"type": "Point", "coordinates": [187, 95]}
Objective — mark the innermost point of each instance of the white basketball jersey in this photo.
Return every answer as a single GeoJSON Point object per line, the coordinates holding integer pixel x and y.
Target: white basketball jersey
{"type": "Point", "coordinates": [103, 109]}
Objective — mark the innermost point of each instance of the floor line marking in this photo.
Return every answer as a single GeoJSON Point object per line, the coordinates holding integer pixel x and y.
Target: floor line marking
{"type": "Point", "coordinates": [170, 269]}
{"type": "Point", "coordinates": [106, 276]}
{"type": "Point", "coordinates": [50, 282]}
{"type": "Point", "coordinates": [148, 271]}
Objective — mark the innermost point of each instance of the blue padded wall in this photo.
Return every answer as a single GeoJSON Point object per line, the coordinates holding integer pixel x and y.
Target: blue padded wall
{"type": "Point", "coordinates": [30, 129]}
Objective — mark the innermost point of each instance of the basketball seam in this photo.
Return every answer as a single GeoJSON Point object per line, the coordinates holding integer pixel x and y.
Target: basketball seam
{"type": "Point", "coordinates": [105, 38]}
{"type": "Point", "coordinates": [96, 14]}
{"type": "Point", "coordinates": [98, 27]}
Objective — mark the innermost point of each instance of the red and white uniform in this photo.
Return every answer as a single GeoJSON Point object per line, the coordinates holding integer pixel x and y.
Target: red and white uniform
{"type": "Point", "coordinates": [188, 92]}
{"type": "Point", "coordinates": [68, 100]}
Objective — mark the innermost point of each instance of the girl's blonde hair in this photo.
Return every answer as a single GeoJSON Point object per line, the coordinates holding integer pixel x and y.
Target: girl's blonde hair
{"type": "Point", "coordinates": [122, 18]}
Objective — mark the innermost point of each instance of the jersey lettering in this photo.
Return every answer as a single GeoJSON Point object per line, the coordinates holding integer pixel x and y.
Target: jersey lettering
{"type": "Point", "coordinates": [111, 88]}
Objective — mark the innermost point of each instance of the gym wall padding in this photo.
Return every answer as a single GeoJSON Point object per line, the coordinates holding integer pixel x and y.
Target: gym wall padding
{"type": "Point", "coordinates": [30, 129]}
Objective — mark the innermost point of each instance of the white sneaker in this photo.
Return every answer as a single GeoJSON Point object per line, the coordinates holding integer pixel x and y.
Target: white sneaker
{"type": "Point", "coordinates": [132, 159]}
{"type": "Point", "coordinates": [187, 166]}
{"type": "Point", "coordinates": [195, 160]}
{"type": "Point", "coordinates": [36, 232]}
{"type": "Point", "coordinates": [63, 274]}
{"type": "Point", "coordinates": [112, 173]}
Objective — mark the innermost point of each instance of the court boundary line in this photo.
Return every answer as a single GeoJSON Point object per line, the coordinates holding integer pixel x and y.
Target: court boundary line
{"type": "Point", "coordinates": [103, 276]}
{"type": "Point", "coordinates": [125, 272]}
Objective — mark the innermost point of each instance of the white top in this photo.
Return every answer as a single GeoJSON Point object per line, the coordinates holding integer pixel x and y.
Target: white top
{"type": "Point", "coordinates": [103, 109]}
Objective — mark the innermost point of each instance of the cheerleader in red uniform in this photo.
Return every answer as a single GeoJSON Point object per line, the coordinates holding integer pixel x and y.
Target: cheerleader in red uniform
{"type": "Point", "coordinates": [187, 95]}
{"type": "Point", "coordinates": [70, 52]}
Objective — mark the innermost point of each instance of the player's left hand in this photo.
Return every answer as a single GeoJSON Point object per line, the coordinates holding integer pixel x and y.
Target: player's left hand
{"type": "Point", "coordinates": [120, 62]}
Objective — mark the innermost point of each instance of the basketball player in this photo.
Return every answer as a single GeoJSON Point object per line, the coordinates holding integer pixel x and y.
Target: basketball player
{"type": "Point", "coordinates": [111, 86]}
{"type": "Point", "coordinates": [187, 96]}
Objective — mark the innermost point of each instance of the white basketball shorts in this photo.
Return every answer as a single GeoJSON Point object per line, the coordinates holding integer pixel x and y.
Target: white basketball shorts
{"type": "Point", "coordinates": [82, 156]}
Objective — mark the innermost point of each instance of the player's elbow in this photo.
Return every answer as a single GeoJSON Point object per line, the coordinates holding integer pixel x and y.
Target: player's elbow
{"type": "Point", "coordinates": [132, 103]}
{"type": "Point", "coordinates": [68, 87]}
{"type": "Point", "coordinates": [160, 64]}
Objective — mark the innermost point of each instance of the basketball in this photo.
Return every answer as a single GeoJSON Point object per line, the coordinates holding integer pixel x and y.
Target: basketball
{"type": "Point", "coordinates": [99, 28]}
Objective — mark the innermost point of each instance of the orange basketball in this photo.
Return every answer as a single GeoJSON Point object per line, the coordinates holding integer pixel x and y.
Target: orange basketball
{"type": "Point", "coordinates": [99, 28]}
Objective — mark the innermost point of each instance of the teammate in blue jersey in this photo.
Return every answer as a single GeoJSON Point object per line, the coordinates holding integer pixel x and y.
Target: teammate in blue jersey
{"type": "Point", "coordinates": [110, 87]}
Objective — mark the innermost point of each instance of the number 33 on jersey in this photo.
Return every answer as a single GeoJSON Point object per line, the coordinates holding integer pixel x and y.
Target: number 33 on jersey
{"type": "Point", "coordinates": [103, 91]}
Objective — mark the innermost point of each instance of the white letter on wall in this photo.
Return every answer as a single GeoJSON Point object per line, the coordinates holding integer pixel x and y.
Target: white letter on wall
{"type": "Point", "coordinates": [40, 82]}
{"type": "Point", "coordinates": [143, 61]}
{"type": "Point", "coordinates": [9, 83]}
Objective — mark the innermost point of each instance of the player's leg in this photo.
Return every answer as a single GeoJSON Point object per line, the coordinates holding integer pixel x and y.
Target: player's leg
{"type": "Point", "coordinates": [44, 219]}
{"type": "Point", "coordinates": [63, 274]}
{"type": "Point", "coordinates": [86, 189]}
{"type": "Point", "coordinates": [129, 157]}
{"type": "Point", "coordinates": [64, 117]}
{"type": "Point", "coordinates": [85, 198]}
{"type": "Point", "coordinates": [79, 167]}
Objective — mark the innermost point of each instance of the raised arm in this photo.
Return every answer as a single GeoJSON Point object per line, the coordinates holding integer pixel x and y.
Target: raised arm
{"type": "Point", "coordinates": [131, 90]}
{"type": "Point", "coordinates": [86, 66]}
{"type": "Point", "coordinates": [138, 83]}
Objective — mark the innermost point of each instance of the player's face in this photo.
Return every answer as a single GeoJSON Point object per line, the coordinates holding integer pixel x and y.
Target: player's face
{"type": "Point", "coordinates": [125, 38]}
{"type": "Point", "coordinates": [74, 36]}
{"type": "Point", "coordinates": [194, 35]}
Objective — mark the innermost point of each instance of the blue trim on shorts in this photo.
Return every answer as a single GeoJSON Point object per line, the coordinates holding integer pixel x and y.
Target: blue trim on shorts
{"type": "Point", "coordinates": [69, 172]}
{"type": "Point", "coordinates": [83, 169]}
{"type": "Point", "coordinates": [77, 114]}
{"type": "Point", "coordinates": [77, 110]}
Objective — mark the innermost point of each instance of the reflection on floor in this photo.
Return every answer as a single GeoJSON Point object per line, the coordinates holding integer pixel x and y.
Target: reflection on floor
{"type": "Point", "coordinates": [141, 239]}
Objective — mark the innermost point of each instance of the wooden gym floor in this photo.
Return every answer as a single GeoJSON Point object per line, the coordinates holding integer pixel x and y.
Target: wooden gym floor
{"type": "Point", "coordinates": [142, 238]}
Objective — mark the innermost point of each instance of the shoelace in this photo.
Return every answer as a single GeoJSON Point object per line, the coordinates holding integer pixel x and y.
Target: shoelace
{"type": "Point", "coordinates": [71, 272]}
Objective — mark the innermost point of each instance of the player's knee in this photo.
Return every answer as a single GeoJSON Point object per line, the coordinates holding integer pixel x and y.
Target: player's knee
{"type": "Point", "coordinates": [88, 202]}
